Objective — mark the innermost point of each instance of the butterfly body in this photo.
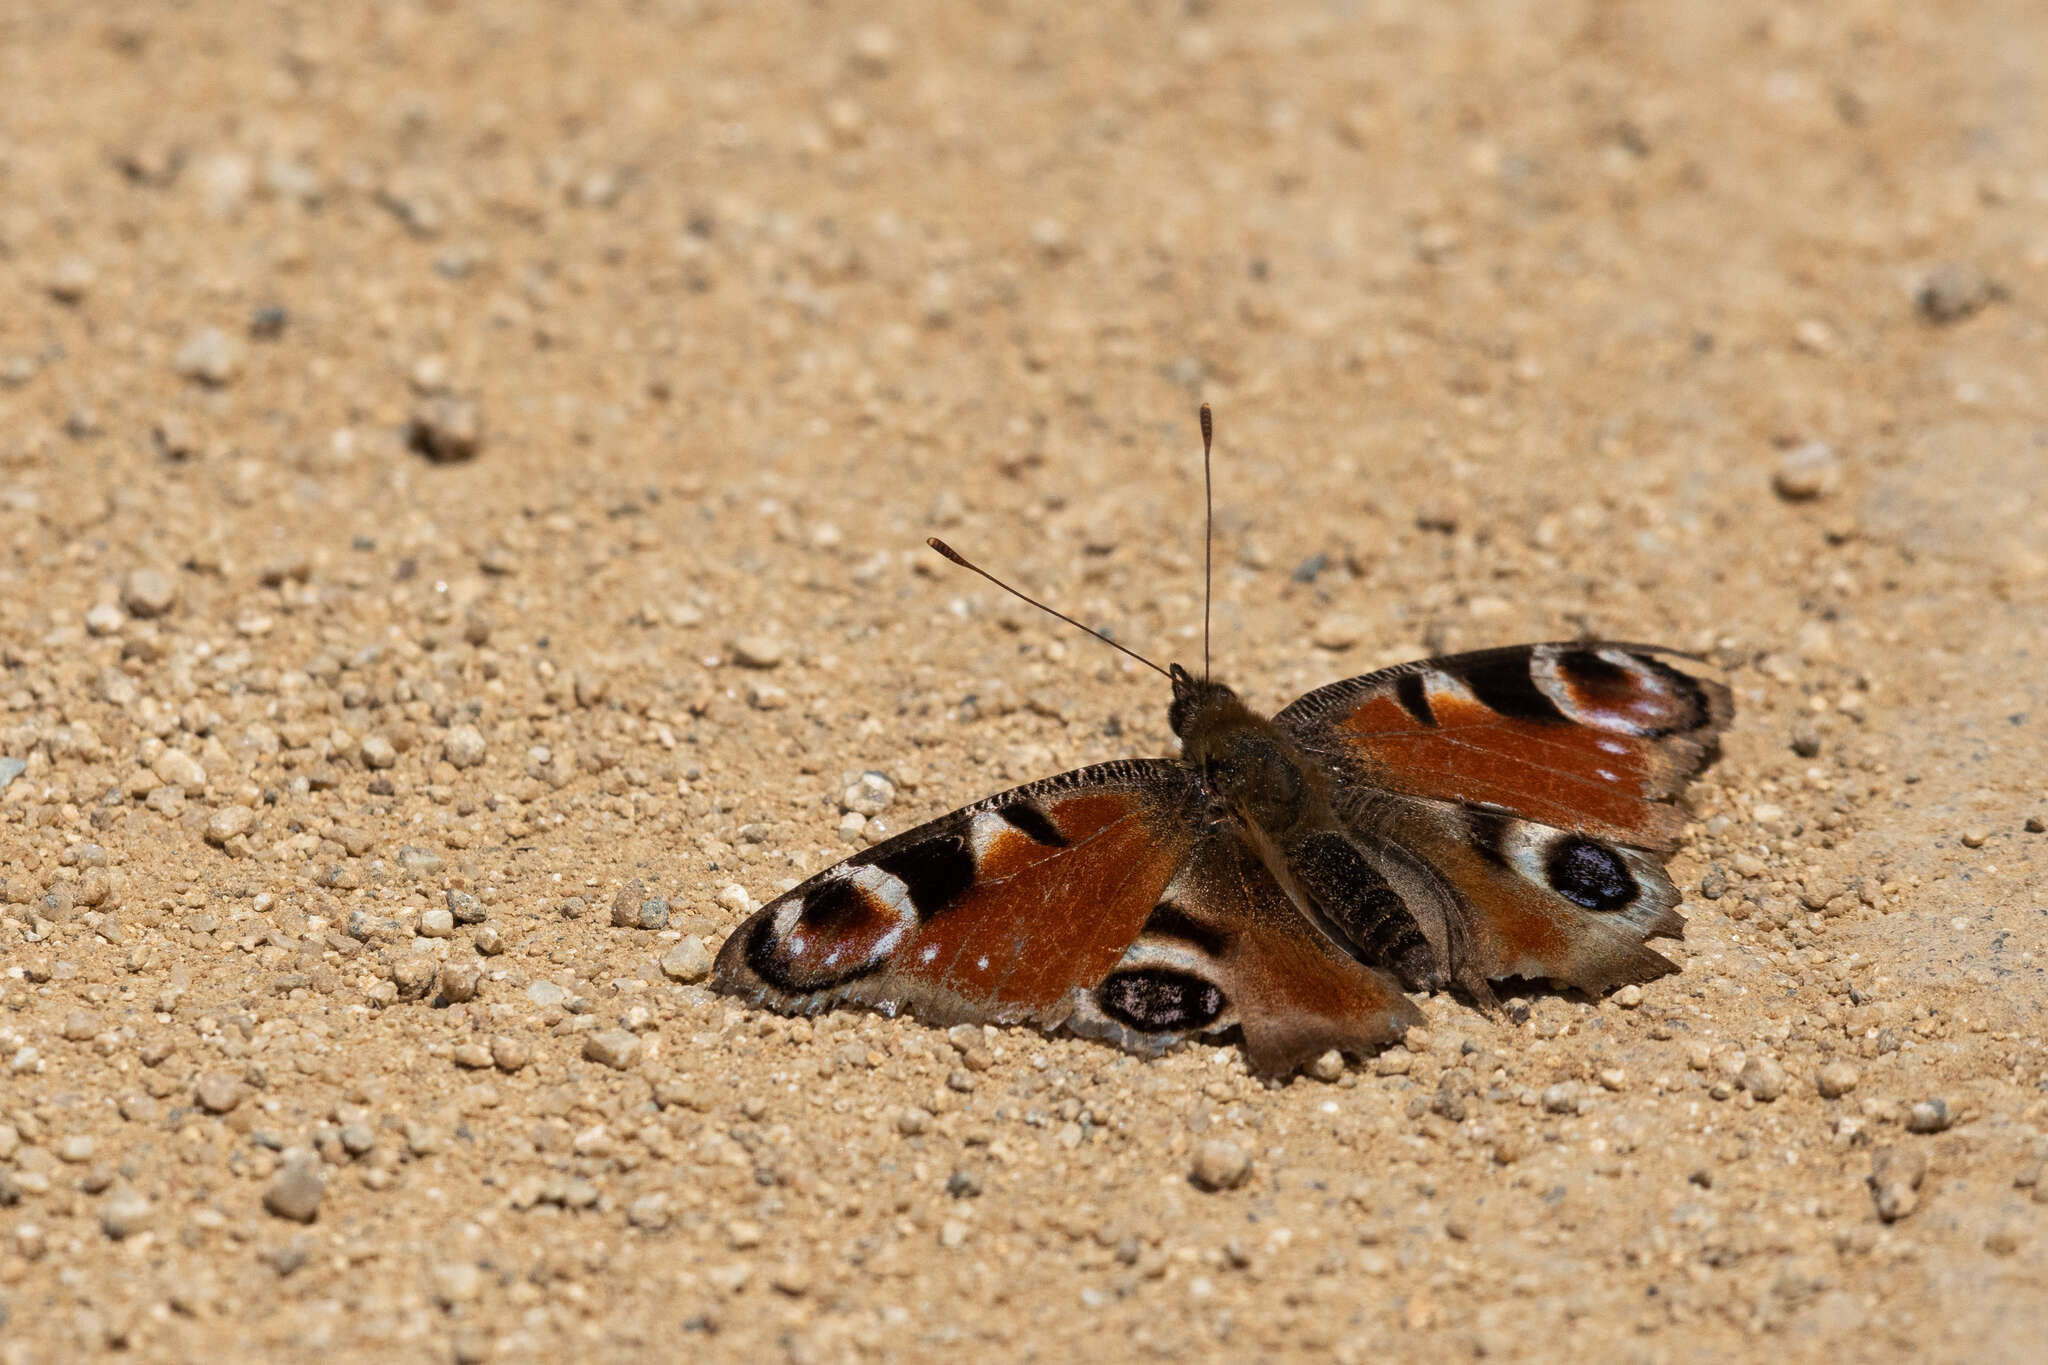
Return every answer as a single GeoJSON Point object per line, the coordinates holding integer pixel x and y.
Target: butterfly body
{"type": "Point", "coordinates": [1448, 823]}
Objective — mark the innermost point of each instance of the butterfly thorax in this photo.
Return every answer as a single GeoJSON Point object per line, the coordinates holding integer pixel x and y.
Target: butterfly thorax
{"type": "Point", "coordinates": [1249, 766]}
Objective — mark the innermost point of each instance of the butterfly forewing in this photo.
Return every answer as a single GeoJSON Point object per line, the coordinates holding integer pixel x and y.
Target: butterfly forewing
{"type": "Point", "coordinates": [1594, 738]}
{"type": "Point", "coordinates": [999, 911]}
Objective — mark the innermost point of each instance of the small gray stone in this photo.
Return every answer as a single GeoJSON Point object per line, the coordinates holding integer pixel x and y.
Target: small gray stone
{"type": "Point", "coordinates": [1929, 1116]}
{"type": "Point", "coordinates": [209, 355]}
{"type": "Point", "coordinates": [1895, 1177]}
{"type": "Point", "coordinates": [1835, 1080]}
{"type": "Point", "coordinates": [757, 651]}
{"type": "Point", "coordinates": [465, 908]}
{"type": "Point", "coordinates": [357, 1138]}
{"type": "Point", "coordinates": [1763, 1077]}
{"type": "Point", "coordinates": [218, 1092]}
{"type": "Point", "coordinates": [687, 962]}
{"type": "Point", "coordinates": [464, 747]}
{"type": "Point", "coordinates": [1562, 1098]}
{"type": "Point", "coordinates": [72, 280]}
{"type": "Point", "coordinates": [545, 993]}
{"type": "Point", "coordinates": [11, 768]}
{"type": "Point", "coordinates": [1952, 292]}
{"type": "Point", "coordinates": [868, 795]}
{"type": "Point", "coordinates": [461, 981]}
{"type": "Point", "coordinates": [126, 1212]}
{"type": "Point", "coordinates": [615, 1048]}
{"type": "Point", "coordinates": [1714, 884]}
{"type": "Point", "coordinates": [420, 862]}
{"type": "Point", "coordinates": [1807, 471]}
{"type": "Point", "coordinates": [148, 592]}
{"type": "Point", "coordinates": [1221, 1164]}
{"type": "Point", "coordinates": [446, 429]}
{"type": "Point", "coordinates": [295, 1191]}
{"type": "Point", "coordinates": [229, 822]}
{"type": "Point", "coordinates": [414, 976]}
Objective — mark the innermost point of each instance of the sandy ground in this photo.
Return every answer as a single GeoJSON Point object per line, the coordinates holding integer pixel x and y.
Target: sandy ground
{"type": "Point", "coordinates": [459, 460]}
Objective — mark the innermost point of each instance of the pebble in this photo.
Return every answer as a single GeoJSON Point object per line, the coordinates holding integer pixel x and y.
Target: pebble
{"type": "Point", "coordinates": [457, 1283]}
{"type": "Point", "coordinates": [615, 1048]}
{"type": "Point", "coordinates": [510, 1053]}
{"type": "Point", "coordinates": [1339, 632]}
{"type": "Point", "coordinates": [1930, 1116]}
{"type": "Point", "coordinates": [126, 1212]}
{"type": "Point", "coordinates": [2036, 825]}
{"type": "Point", "coordinates": [1562, 1098]}
{"type": "Point", "coordinates": [1328, 1067]}
{"type": "Point", "coordinates": [687, 962]}
{"type": "Point", "coordinates": [148, 592]}
{"type": "Point", "coordinates": [1836, 1079]}
{"type": "Point", "coordinates": [209, 355]}
{"type": "Point", "coordinates": [1763, 1077]}
{"type": "Point", "coordinates": [80, 1026]}
{"type": "Point", "coordinates": [1976, 838]}
{"type": "Point", "coordinates": [757, 651]}
{"type": "Point", "coordinates": [735, 897]}
{"type": "Point", "coordinates": [379, 754]}
{"type": "Point", "coordinates": [105, 619]}
{"type": "Point", "coordinates": [218, 1092]}
{"type": "Point", "coordinates": [1220, 1164]}
{"type": "Point", "coordinates": [176, 768]}
{"type": "Point", "coordinates": [1629, 997]}
{"type": "Point", "coordinates": [11, 768]}
{"type": "Point", "coordinates": [446, 429]}
{"type": "Point", "coordinates": [437, 924]}
{"type": "Point", "coordinates": [296, 1190]}
{"type": "Point", "coordinates": [1895, 1177]}
{"type": "Point", "coordinates": [72, 280]}
{"type": "Point", "coordinates": [229, 822]}
{"type": "Point", "coordinates": [420, 862]}
{"type": "Point", "coordinates": [464, 747]}
{"type": "Point", "coordinates": [464, 908]}
{"type": "Point", "coordinates": [869, 795]}
{"type": "Point", "coordinates": [1952, 291]}
{"type": "Point", "coordinates": [1807, 471]}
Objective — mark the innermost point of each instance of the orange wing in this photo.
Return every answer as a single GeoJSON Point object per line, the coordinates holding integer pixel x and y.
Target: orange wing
{"type": "Point", "coordinates": [1595, 738]}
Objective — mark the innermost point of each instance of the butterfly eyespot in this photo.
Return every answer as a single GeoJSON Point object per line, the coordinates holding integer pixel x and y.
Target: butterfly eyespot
{"type": "Point", "coordinates": [1152, 1000]}
{"type": "Point", "coordinates": [1591, 874]}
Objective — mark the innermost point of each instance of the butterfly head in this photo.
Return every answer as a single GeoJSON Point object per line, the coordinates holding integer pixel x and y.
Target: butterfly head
{"type": "Point", "coordinates": [1198, 704]}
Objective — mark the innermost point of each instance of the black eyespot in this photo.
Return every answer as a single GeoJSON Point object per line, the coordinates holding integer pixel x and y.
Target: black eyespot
{"type": "Point", "coordinates": [1153, 1000]}
{"type": "Point", "coordinates": [1590, 874]}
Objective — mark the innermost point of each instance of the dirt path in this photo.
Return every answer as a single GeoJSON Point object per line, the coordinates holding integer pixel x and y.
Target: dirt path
{"type": "Point", "coordinates": [457, 460]}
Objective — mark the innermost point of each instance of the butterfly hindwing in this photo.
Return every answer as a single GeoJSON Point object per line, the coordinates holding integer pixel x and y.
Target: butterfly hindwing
{"type": "Point", "coordinates": [1226, 946]}
{"type": "Point", "coordinates": [997, 912]}
{"type": "Point", "coordinates": [1521, 796]}
{"type": "Point", "coordinates": [1594, 738]}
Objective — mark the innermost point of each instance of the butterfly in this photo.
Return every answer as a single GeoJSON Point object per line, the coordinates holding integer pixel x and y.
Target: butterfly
{"type": "Point", "coordinates": [1443, 824]}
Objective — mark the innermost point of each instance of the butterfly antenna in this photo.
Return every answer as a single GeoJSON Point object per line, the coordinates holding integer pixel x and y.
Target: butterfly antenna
{"type": "Point", "coordinates": [1208, 534]}
{"type": "Point", "coordinates": [964, 562]}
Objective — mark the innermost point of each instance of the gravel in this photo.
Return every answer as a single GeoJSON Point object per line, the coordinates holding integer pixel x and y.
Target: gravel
{"type": "Point", "coordinates": [1220, 1164]}
{"type": "Point", "coordinates": [296, 1190]}
{"type": "Point", "coordinates": [1763, 1077]}
{"type": "Point", "coordinates": [688, 961]}
{"type": "Point", "coordinates": [147, 593]}
{"type": "Point", "coordinates": [209, 355]}
{"type": "Point", "coordinates": [1808, 472]}
{"type": "Point", "coordinates": [446, 429]}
